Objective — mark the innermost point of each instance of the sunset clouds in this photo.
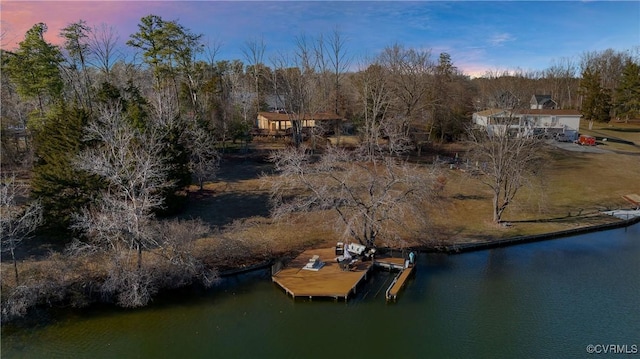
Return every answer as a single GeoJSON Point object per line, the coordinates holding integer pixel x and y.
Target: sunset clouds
{"type": "Point", "coordinates": [479, 35]}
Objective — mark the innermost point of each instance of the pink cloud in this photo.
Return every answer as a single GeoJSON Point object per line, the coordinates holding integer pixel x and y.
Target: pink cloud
{"type": "Point", "coordinates": [20, 16]}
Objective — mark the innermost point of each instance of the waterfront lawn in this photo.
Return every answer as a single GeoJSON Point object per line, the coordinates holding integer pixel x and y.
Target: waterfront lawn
{"type": "Point", "coordinates": [575, 187]}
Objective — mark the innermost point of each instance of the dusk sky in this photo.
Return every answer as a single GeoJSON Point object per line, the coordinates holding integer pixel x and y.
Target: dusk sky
{"type": "Point", "coordinates": [479, 35]}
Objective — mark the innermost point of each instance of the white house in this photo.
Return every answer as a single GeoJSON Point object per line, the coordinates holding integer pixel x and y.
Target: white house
{"type": "Point", "coordinates": [530, 121]}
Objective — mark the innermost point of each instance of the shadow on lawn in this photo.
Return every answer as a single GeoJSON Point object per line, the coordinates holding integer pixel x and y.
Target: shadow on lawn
{"type": "Point", "coordinates": [578, 218]}
{"type": "Point", "coordinates": [220, 209]}
{"type": "Point", "coordinates": [475, 197]}
{"type": "Point", "coordinates": [234, 170]}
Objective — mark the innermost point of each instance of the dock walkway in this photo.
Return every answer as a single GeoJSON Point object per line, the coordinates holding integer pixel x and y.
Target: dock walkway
{"type": "Point", "coordinates": [398, 283]}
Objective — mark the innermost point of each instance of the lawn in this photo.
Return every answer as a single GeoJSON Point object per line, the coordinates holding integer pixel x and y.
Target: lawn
{"type": "Point", "coordinates": [575, 187]}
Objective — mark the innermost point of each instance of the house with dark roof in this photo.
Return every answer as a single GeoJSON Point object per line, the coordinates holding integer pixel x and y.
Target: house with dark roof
{"type": "Point", "coordinates": [542, 102]}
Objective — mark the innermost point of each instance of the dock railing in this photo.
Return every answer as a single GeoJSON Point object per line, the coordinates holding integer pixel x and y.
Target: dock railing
{"type": "Point", "coordinates": [387, 294]}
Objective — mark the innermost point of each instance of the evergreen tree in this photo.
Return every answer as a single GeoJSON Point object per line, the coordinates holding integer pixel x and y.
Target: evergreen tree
{"type": "Point", "coordinates": [596, 101]}
{"type": "Point", "coordinates": [76, 44]}
{"type": "Point", "coordinates": [175, 155]}
{"type": "Point", "coordinates": [61, 187]}
{"type": "Point", "coordinates": [34, 68]}
{"type": "Point", "coordinates": [628, 92]}
{"type": "Point", "coordinates": [169, 48]}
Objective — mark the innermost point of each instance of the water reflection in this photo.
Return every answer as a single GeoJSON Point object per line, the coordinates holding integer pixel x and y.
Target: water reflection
{"type": "Point", "coordinates": [545, 299]}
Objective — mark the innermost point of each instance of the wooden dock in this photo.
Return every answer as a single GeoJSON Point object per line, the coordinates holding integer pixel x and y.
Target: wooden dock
{"type": "Point", "coordinates": [398, 283]}
{"type": "Point", "coordinates": [330, 281]}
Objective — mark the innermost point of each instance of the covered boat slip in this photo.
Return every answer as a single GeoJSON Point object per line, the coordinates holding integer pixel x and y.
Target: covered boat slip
{"type": "Point", "coordinates": [331, 280]}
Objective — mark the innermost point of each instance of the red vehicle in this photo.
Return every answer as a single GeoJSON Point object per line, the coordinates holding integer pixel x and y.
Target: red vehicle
{"type": "Point", "coordinates": [587, 140]}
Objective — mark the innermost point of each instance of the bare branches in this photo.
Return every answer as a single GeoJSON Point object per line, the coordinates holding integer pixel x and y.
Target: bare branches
{"type": "Point", "coordinates": [131, 163]}
{"type": "Point", "coordinates": [103, 41]}
{"type": "Point", "coordinates": [254, 55]}
{"type": "Point", "coordinates": [411, 72]}
{"type": "Point", "coordinates": [507, 160]}
{"type": "Point", "coordinates": [17, 222]}
{"type": "Point", "coordinates": [204, 160]}
{"type": "Point", "coordinates": [122, 222]}
{"type": "Point", "coordinates": [373, 91]}
{"type": "Point", "coordinates": [297, 82]}
{"type": "Point", "coordinates": [372, 199]}
{"type": "Point", "coordinates": [129, 160]}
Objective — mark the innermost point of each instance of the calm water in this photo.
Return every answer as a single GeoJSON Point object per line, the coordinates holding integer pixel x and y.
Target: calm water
{"type": "Point", "coordinates": [547, 299]}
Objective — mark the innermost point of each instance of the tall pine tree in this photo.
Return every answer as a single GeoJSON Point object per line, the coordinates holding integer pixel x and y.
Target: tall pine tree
{"type": "Point", "coordinates": [61, 187]}
{"type": "Point", "coordinates": [34, 68]}
{"type": "Point", "coordinates": [76, 44]}
{"type": "Point", "coordinates": [596, 100]}
{"type": "Point", "coordinates": [627, 99]}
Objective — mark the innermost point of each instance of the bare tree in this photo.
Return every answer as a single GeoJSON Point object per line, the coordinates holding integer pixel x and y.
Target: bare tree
{"type": "Point", "coordinates": [398, 141]}
{"type": "Point", "coordinates": [372, 87]}
{"type": "Point", "coordinates": [410, 77]}
{"type": "Point", "coordinates": [164, 108]}
{"type": "Point", "coordinates": [178, 238]}
{"type": "Point", "coordinates": [211, 50]}
{"type": "Point", "coordinates": [296, 78]}
{"type": "Point", "coordinates": [323, 78]}
{"type": "Point", "coordinates": [4, 32]}
{"type": "Point", "coordinates": [254, 56]}
{"type": "Point", "coordinates": [562, 78]}
{"type": "Point", "coordinates": [18, 222]}
{"type": "Point", "coordinates": [506, 159]}
{"type": "Point", "coordinates": [209, 90]}
{"type": "Point", "coordinates": [241, 98]}
{"type": "Point", "coordinates": [372, 199]}
{"type": "Point", "coordinates": [204, 160]}
{"type": "Point", "coordinates": [331, 64]}
{"type": "Point", "coordinates": [16, 147]}
{"type": "Point", "coordinates": [609, 63]}
{"type": "Point", "coordinates": [339, 63]}
{"type": "Point", "coordinates": [130, 162]}
{"type": "Point", "coordinates": [504, 90]}
{"type": "Point", "coordinates": [103, 44]}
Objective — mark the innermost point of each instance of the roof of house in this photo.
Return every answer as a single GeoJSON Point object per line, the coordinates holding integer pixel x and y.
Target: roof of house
{"type": "Point", "coordinates": [490, 112]}
{"type": "Point", "coordinates": [538, 112]}
{"type": "Point", "coordinates": [548, 111]}
{"type": "Point", "coordinates": [320, 116]}
{"type": "Point", "coordinates": [541, 98]}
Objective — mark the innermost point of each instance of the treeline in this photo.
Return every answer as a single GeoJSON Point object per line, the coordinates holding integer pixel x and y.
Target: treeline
{"type": "Point", "coordinates": [110, 141]}
{"type": "Point", "coordinates": [173, 69]}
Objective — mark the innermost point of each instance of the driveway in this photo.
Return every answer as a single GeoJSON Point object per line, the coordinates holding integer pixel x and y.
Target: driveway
{"type": "Point", "coordinates": [570, 146]}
